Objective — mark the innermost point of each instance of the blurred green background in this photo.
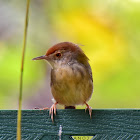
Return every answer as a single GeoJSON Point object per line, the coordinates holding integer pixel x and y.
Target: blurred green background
{"type": "Point", "coordinates": [109, 34]}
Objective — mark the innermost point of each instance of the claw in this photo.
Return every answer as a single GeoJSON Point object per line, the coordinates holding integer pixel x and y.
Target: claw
{"type": "Point", "coordinates": [46, 108]}
{"type": "Point", "coordinates": [89, 109]}
{"type": "Point", "coordinates": [53, 110]}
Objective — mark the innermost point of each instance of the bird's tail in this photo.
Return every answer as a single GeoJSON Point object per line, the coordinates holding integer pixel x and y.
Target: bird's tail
{"type": "Point", "coordinates": [69, 107]}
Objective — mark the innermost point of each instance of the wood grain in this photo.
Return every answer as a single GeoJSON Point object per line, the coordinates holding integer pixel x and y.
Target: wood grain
{"type": "Point", "coordinates": [105, 124]}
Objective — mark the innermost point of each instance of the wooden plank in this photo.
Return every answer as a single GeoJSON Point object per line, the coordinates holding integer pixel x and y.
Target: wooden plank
{"type": "Point", "coordinates": [105, 124]}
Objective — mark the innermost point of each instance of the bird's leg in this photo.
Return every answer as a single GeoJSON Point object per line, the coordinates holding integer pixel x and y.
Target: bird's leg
{"type": "Point", "coordinates": [89, 108]}
{"type": "Point", "coordinates": [53, 110]}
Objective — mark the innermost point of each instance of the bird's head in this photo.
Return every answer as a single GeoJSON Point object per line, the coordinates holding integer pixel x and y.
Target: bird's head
{"type": "Point", "coordinates": [64, 53]}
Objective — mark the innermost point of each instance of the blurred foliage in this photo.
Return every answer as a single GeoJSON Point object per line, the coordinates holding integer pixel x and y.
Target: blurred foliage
{"type": "Point", "coordinates": [108, 32]}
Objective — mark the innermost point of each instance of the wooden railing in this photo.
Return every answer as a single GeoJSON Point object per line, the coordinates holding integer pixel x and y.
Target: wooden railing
{"type": "Point", "coordinates": [72, 124]}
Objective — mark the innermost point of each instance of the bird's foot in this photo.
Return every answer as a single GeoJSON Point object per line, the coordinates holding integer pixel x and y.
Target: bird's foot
{"type": "Point", "coordinates": [53, 110]}
{"type": "Point", "coordinates": [46, 108]}
{"type": "Point", "coordinates": [89, 109]}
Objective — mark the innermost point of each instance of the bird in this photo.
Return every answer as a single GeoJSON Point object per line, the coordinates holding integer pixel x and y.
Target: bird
{"type": "Point", "coordinates": [71, 76]}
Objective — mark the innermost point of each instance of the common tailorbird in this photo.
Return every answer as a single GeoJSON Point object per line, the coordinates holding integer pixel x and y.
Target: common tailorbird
{"type": "Point", "coordinates": [71, 76]}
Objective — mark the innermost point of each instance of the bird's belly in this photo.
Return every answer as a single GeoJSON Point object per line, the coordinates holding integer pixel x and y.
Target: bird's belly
{"type": "Point", "coordinates": [71, 89]}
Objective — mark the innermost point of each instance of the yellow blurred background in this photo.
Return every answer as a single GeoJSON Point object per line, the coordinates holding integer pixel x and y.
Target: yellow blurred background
{"type": "Point", "coordinates": [108, 32]}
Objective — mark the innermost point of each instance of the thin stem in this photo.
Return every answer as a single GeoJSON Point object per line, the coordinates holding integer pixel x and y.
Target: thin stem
{"type": "Point", "coordinates": [21, 74]}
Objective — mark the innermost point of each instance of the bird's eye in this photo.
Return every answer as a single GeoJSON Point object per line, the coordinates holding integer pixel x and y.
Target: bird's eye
{"type": "Point", "coordinates": [58, 54]}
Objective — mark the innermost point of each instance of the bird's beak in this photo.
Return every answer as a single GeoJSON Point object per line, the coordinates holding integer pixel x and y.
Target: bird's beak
{"type": "Point", "coordinates": [40, 57]}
